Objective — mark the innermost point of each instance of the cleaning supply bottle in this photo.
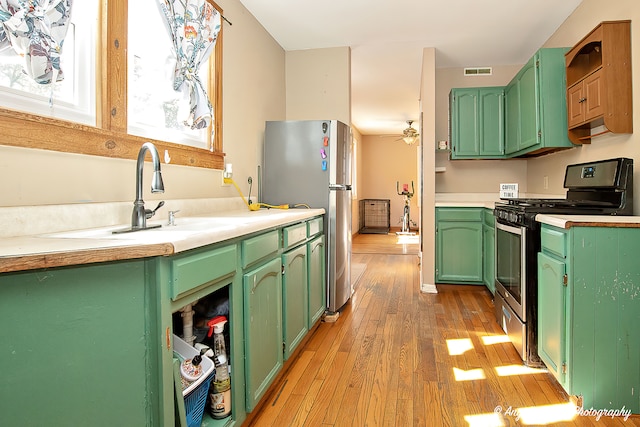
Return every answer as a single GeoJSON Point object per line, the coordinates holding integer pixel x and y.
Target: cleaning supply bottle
{"type": "Point", "coordinates": [191, 369]}
{"type": "Point", "coordinates": [220, 389]}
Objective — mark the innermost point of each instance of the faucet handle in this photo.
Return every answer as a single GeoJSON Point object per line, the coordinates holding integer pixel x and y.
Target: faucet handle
{"type": "Point", "coordinates": [172, 217]}
{"type": "Point", "coordinates": [149, 213]}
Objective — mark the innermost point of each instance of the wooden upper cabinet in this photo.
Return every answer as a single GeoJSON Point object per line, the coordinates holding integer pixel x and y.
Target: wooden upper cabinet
{"type": "Point", "coordinates": [599, 82]}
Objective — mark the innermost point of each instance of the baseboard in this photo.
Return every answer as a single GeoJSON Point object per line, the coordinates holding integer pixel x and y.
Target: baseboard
{"type": "Point", "coordinates": [428, 289]}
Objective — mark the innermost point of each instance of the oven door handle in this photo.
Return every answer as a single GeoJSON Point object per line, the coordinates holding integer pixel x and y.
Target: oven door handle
{"type": "Point", "coordinates": [510, 229]}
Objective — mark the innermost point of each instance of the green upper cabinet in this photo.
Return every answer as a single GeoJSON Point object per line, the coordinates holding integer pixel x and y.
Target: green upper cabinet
{"type": "Point", "coordinates": [536, 106]}
{"type": "Point", "coordinates": [477, 122]}
{"type": "Point", "coordinates": [526, 118]}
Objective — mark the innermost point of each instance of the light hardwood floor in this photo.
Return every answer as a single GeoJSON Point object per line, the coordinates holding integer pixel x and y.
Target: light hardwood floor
{"type": "Point", "coordinates": [397, 357]}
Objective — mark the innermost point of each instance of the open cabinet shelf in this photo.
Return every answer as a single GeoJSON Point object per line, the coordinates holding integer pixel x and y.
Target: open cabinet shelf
{"type": "Point", "coordinates": [598, 72]}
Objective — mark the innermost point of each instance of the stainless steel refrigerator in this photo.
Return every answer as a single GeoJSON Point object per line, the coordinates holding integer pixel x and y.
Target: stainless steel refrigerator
{"type": "Point", "coordinates": [309, 162]}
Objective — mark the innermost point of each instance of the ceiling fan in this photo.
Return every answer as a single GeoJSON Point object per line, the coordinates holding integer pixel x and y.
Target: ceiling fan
{"type": "Point", "coordinates": [409, 135]}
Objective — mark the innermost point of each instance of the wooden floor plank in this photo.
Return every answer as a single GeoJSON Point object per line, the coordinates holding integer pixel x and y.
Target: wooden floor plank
{"type": "Point", "coordinates": [388, 359]}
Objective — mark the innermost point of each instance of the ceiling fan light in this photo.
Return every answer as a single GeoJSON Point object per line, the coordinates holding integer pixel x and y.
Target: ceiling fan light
{"type": "Point", "coordinates": [409, 139]}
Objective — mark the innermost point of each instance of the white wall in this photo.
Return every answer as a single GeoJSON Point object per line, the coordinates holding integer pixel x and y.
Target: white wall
{"type": "Point", "coordinates": [428, 140]}
{"type": "Point", "coordinates": [319, 84]}
{"type": "Point", "coordinates": [387, 160]}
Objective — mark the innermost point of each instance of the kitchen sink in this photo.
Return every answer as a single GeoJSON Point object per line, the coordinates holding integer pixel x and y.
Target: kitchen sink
{"type": "Point", "coordinates": [184, 227]}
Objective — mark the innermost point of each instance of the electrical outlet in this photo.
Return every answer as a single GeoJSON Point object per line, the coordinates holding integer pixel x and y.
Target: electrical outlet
{"type": "Point", "coordinates": [545, 182]}
{"type": "Point", "coordinates": [226, 175]}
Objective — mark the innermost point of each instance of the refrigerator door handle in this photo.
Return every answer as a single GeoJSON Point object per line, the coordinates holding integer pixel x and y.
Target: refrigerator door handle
{"type": "Point", "coordinates": [339, 187]}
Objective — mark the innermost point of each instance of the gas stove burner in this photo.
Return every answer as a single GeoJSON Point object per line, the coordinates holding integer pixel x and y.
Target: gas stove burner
{"type": "Point", "coordinates": [534, 202]}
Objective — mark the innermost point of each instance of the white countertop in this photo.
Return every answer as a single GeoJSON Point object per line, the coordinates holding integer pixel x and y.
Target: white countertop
{"type": "Point", "coordinates": [466, 200]}
{"type": "Point", "coordinates": [568, 221]}
{"type": "Point", "coordinates": [99, 244]}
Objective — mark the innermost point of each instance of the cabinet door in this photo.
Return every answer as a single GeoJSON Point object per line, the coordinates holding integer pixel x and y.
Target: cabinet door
{"type": "Point", "coordinates": [459, 252]}
{"type": "Point", "coordinates": [528, 106]}
{"type": "Point", "coordinates": [575, 105]}
{"type": "Point", "coordinates": [465, 138]}
{"type": "Point", "coordinates": [317, 280]}
{"type": "Point", "coordinates": [512, 119]}
{"type": "Point", "coordinates": [263, 328]}
{"type": "Point", "coordinates": [491, 121]}
{"type": "Point", "coordinates": [294, 298]}
{"type": "Point", "coordinates": [488, 267]}
{"type": "Point", "coordinates": [594, 106]}
{"type": "Point", "coordinates": [551, 314]}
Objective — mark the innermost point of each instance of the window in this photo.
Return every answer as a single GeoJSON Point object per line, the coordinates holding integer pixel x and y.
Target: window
{"type": "Point", "coordinates": [154, 108]}
{"type": "Point", "coordinates": [71, 99]}
{"type": "Point", "coordinates": [107, 135]}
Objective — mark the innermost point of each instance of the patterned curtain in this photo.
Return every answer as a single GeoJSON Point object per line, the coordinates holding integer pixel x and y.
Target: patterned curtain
{"type": "Point", "coordinates": [35, 29]}
{"type": "Point", "coordinates": [194, 26]}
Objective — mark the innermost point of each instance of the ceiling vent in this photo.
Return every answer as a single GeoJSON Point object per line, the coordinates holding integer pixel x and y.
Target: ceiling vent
{"type": "Point", "coordinates": [478, 71]}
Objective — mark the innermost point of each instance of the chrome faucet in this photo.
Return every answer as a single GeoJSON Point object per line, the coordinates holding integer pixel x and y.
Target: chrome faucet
{"type": "Point", "coordinates": [140, 214]}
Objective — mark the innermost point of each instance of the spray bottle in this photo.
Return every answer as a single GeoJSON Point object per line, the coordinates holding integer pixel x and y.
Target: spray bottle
{"type": "Point", "coordinates": [220, 390]}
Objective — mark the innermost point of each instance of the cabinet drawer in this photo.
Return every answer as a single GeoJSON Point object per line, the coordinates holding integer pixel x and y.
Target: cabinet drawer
{"type": "Point", "coordinates": [259, 247]}
{"type": "Point", "coordinates": [554, 241]}
{"type": "Point", "coordinates": [294, 234]}
{"type": "Point", "coordinates": [459, 214]}
{"type": "Point", "coordinates": [314, 227]}
{"type": "Point", "coordinates": [192, 270]}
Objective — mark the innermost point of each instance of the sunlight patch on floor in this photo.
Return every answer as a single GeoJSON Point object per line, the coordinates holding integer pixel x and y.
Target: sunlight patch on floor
{"type": "Point", "coordinates": [494, 339]}
{"type": "Point", "coordinates": [470, 375]}
{"type": "Point", "coordinates": [509, 370]}
{"type": "Point", "coordinates": [485, 420]}
{"type": "Point", "coordinates": [457, 347]}
{"type": "Point", "coordinates": [406, 239]}
{"type": "Point", "coordinates": [547, 414]}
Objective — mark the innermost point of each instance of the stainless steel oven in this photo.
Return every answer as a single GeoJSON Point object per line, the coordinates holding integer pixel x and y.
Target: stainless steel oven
{"type": "Point", "coordinates": [511, 266]}
{"type": "Point", "coordinates": [517, 244]}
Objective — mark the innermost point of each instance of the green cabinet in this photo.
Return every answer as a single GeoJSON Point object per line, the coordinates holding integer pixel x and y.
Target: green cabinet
{"type": "Point", "coordinates": [589, 311]}
{"type": "Point", "coordinates": [552, 323]}
{"type": "Point", "coordinates": [488, 250]}
{"type": "Point", "coordinates": [104, 330]}
{"type": "Point", "coordinates": [262, 329]}
{"type": "Point", "coordinates": [477, 122]}
{"type": "Point", "coordinates": [294, 298]}
{"type": "Point", "coordinates": [77, 347]}
{"type": "Point", "coordinates": [317, 280]}
{"type": "Point", "coordinates": [459, 245]}
{"type": "Point", "coordinates": [536, 108]}
{"type": "Point", "coordinates": [527, 117]}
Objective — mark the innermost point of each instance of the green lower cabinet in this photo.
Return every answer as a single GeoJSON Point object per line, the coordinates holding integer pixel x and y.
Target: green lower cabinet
{"type": "Point", "coordinates": [262, 329]}
{"type": "Point", "coordinates": [590, 341]}
{"type": "Point", "coordinates": [551, 315]}
{"type": "Point", "coordinates": [294, 298]}
{"type": "Point", "coordinates": [459, 245]}
{"type": "Point", "coordinates": [488, 255]}
{"type": "Point", "coordinates": [76, 347]}
{"type": "Point", "coordinates": [317, 280]}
